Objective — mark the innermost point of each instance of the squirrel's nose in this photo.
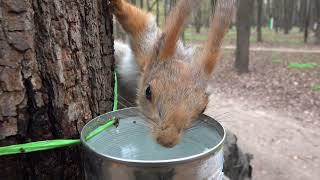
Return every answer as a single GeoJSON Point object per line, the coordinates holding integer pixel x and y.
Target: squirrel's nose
{"type": "Point", "coordinates": [168, 137]}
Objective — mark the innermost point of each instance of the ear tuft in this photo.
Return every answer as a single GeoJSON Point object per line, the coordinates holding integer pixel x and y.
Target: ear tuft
{"type": "Point", "coordinates": [219, 27]}
{"type": "Point", "coordinates": [174, 26]}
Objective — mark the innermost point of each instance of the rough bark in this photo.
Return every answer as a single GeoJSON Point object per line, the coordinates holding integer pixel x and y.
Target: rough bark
{"type": "Point", "coordinates": [56, 73]}
{"type": "Point", "coordinates": [259, 20]}
{"type": "Point", "coordinates": [244, 15]}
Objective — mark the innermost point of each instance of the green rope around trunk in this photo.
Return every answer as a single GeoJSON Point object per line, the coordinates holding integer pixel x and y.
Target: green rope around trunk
{"type": "Point", "coordinates": [58, 143]}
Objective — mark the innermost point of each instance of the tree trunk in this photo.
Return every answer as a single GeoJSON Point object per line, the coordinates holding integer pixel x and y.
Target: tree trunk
{"type": "Point", "coordinates": [277, 12]}
{"type": "Point", "coordinates": [158, 12]}
{"type": "Point", "coordinates": [288, 13]}
{"type": "Point", "coordinates": [213, 6]}
{"type": "Point", "coordinates": [141, 4]}
{"type": "Point", "coordinates": [317, 33]}
{"type": "Point", "coordinates": [172, 4]}
{"type": "Point", "coordinates": [302, 12]}
{"type": "Point", "coordinates": [259, 20]}
{"type": "Point", "coordinates": [244, 15]}
{"type": "Point", "coordinates": [286, 16]}
{"type": "Point", "coordinates": [197, 21]}
{"type": "Point", "coordinates": [165, 9]}
{"type": "Point", "coordinates": [313, 15]}
{"type": "Point", "coordinates": [295, 14]}
{"type": "Point", "coordinates": [307, 21]}
{"type": "Point", "coordinates": [268, 8]}
{"type": "Point", "coordinates": [56, 73]}
{"type": "Point", "coordinates": [148, 6]}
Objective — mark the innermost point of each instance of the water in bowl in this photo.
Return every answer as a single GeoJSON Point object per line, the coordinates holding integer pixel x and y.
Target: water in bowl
{"type": "Point", "coordinates": [132, 140]}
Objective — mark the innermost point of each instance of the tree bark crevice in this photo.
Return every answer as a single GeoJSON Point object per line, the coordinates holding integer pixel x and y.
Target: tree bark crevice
{"type": "Point", "coordinates": [62, 52]}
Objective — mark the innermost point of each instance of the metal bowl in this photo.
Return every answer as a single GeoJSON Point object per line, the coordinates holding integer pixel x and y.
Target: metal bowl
{"type": "Point", "coordinates": [129, 152]}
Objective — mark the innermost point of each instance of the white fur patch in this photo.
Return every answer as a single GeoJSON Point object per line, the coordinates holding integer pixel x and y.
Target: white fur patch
{"type": "Point", "coordinates": [150, 35]}
{"type": "Point", "coordinates": [128, 73]}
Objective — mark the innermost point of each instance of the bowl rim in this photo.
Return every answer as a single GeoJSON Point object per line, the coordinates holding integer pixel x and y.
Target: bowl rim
{"type": "Point", "coordinates": [195, 157]}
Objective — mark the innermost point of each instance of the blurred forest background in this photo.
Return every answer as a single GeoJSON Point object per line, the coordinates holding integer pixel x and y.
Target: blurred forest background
{"type": "Point", "coordinates": [266, 88]}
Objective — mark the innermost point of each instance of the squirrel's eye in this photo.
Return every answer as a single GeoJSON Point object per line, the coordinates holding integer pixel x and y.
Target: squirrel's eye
{"type": "Point", "coordinates": [148, 93]}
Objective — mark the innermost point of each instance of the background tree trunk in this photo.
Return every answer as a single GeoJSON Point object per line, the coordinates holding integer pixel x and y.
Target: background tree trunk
{"type": "Point", "coordinates": [268, 9]}
{"type": "Point", "coordinates": [172, 4]}
{"type": "Point", "coordinates": [288, 13]}
{"type": "Point", "coordinates": [165, 9]}
{"type": "Point", "coordinates": [259, 20]}
{"type": "Point", "coordinates": [307, 21]}
{"type": "Point", "coordinates": [198, 21]}
{"type": "Point", "coordinates": [56, 73]}
{"type": "Point", "coordinates": [302, 13]}
{"type": "Point", "coordinates": [317, 33]}
{"type": "Point", "coordinates": [277, 12]}
{"type": "Point", "coordinates": [213, 6]}
{"type": "Point", "coordinates": [244, 14]}
{"type": "Point", "coordinates": [286, 16]}
{"type": "Point", "coordinates": [158, 13]}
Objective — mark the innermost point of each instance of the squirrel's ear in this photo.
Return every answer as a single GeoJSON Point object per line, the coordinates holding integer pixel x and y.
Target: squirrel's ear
{"type": "Point", "coordinates": [174, 26]}
{"type": "Point", "coordinates": [220, 24]}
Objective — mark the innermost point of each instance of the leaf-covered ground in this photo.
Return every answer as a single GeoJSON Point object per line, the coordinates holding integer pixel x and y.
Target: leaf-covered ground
{"type": "Point", "coordinates": [274, 111]}
{"type": "Point", "coordinates": [273, 84]}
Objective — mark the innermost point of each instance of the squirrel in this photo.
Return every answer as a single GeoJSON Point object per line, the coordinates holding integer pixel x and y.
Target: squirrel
{"type": "Point", "coordinates": [171, 80]}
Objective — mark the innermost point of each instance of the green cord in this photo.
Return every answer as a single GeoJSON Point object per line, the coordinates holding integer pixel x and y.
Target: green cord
{"type": "Point", "coordinates": [37, 146]}
{"type": "Point", "coordinates": [115, 92]}
{"type": "Point", "coordinates": [57, 143]}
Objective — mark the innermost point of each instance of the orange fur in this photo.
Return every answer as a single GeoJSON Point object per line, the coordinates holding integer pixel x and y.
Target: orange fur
{"type": "Point", "coordinates": [219, 27]}
{"type": "Point", "coordinates": [178, 88]}
{"type": "Point", "coordinates": [169, 132]}
{"type": "Point", "coordinates": [132, 19]}
{"type": "Point", "coordinates": [174, 26]}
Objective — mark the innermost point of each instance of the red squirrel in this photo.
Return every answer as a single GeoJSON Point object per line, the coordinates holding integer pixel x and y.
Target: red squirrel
{"type": "Point", "coordinates": [172, 80]}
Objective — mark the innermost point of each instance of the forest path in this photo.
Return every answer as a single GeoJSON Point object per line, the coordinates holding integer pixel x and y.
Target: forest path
{"type": "Point", "coordinates": [277, 49]}
{"type": "Point", "coordinates": [283, 148]}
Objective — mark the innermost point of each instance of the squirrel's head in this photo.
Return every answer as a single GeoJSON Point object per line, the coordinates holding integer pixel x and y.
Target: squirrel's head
{"type": "Point", "coordinates": [172, 91]}
{"type": "Point", "coordinates": [171, 94]}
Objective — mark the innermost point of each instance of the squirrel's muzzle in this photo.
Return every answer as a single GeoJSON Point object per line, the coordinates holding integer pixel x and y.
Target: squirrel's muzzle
{"type": "Point", "coordinates": [169, 133]}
